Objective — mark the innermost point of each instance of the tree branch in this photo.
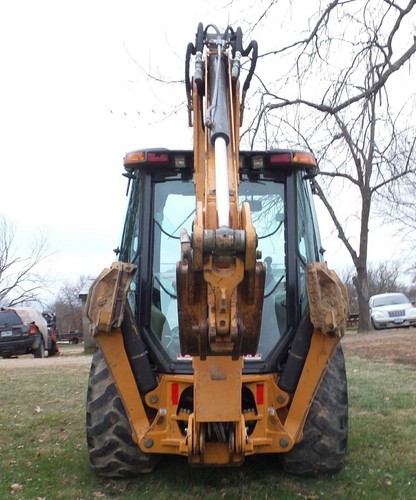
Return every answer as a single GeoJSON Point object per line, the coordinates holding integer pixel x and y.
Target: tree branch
{"type": "Point", "coordinates": [366, 94]}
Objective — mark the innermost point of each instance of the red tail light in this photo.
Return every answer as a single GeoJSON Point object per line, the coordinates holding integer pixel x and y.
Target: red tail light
{"type": "Point", "coordinates": [260, 394]}
{"type": "Point", "coordinates": [175, 393]}
{"type": "Point", "coordinates": [32, 330]}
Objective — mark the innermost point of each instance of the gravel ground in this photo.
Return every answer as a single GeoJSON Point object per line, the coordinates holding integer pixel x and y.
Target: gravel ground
{"type": "Point", "coordinates": [72, 358]}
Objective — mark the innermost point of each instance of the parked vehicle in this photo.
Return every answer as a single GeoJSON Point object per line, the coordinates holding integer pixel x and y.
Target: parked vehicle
{"type": "Point", "coordinates": [391, 310]}
{"type": "Point", "coordinates": [23, 330]}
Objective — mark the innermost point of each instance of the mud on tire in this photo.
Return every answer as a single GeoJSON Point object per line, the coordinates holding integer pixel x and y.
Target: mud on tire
{"type": "Point", "coordinates": [112, 450]}
{"type": "Point", "coordinates": [324, 445]}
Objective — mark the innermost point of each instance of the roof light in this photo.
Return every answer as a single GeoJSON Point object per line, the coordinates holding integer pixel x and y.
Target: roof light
{"type": "Point", "coordinates": [280, 158]}
{"type": "Point", "coordinates": [257, 162]}
{"type": "Point", "coordinates": [291, 157]}
{"type": "Point", "coordinates": [134, 157]}
{"type": "Point", "coordinates": [303, 157]}
{"type": "Point", "coordinates": [157, 157]}
{"type": "Point", "coordinates": [180, 161]}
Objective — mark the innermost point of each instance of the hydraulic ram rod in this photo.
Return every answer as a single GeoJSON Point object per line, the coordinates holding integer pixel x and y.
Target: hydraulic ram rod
{"type": "Point", "coordinates": [221, 182]}
{"type": "Point", "coordinates": [218, 121]}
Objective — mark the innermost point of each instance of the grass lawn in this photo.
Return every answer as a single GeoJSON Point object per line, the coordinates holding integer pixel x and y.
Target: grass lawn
{"type": "Point", "coordinates": [43, 452]}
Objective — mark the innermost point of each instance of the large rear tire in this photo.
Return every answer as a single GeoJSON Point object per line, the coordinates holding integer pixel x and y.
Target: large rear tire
{"type": "Point", "coordinates": [325, 435]}
{"type": "Point", "coordinates": [112, 450]}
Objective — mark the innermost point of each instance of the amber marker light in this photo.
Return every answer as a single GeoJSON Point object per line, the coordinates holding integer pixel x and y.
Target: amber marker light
{"type": "Point", "coordinates": [304, 158]}
{"type": "Point", "coordinates": [134, 157]}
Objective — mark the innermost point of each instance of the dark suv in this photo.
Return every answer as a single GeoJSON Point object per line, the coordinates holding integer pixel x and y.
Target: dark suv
{"type": "Point", "coordinates": [23, 330]}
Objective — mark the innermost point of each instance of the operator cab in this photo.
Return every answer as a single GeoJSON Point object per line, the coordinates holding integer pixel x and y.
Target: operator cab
{"type": "Point", "coordinates": [277, 186]}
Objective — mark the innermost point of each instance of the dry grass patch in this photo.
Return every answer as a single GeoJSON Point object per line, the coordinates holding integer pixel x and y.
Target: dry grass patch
{"type": "Point", "coordinates": [43, 453]}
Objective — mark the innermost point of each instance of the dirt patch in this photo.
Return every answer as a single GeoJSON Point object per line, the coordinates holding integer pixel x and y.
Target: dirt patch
{"type": "Point", "coordinates": [72, 359]}
{"type": "Point", "coordinates": [395, 345]}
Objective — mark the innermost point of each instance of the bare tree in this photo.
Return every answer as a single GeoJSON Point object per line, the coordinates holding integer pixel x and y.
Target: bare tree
{"type": "Point", "coordinates": [20, 279]}
{"type": "Point", "coordinates": [68, 306]}
{"type": "Point", "coordinates": [337, 99]}
{"type": "Point", "coordinates": [400, 208]}
{"type": "Point", "coordinates": [347, 276]}
{"type": "Point", "coordinates": [382, 278]}
{"type": "Point", "coordinates": [337, 89]}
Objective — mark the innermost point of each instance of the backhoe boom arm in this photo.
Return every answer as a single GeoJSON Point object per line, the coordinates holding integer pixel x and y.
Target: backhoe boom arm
{"type": "Point", "coordinates": [221, 257]}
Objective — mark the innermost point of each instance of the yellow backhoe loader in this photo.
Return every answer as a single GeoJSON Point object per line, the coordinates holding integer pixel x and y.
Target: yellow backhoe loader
{"type": "Point", "coordinates": [218, 327]}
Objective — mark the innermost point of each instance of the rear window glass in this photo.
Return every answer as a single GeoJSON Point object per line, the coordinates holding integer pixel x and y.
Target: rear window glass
{"type": "Point", "coordinates": [9, 318]}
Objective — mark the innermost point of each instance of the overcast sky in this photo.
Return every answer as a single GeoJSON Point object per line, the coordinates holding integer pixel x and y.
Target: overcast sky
{"type": "Point", "coordinates": [73, 99]}
{"type": "Point", "coordinates": [72, 102]}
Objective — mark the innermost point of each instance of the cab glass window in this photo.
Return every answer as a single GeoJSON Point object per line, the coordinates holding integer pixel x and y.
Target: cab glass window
{"type": "Point", "coordinates": [130, 241]}
{"type": "Point", "coordinates": [174, 208]}
{"type": "Point", "coordinates": [307, 247]}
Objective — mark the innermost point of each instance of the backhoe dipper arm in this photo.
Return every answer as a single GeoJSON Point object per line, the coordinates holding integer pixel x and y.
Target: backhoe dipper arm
{"type": "Point", "coordinates": [220, 283]}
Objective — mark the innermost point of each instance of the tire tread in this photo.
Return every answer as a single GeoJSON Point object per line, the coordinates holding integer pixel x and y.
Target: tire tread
{"type": "Point", "coordinates": [325, 435]}
{"type": "Point", "coordinates": [112, 451]}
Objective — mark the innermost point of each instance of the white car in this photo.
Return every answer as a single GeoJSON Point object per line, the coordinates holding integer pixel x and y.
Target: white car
{"type": "Point", "coordinates": [391, 310]}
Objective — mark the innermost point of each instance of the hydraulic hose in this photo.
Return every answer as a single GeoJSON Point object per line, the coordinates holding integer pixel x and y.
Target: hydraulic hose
{"type": "Point", "coordinates": [136, 352]}
{"type": "Point", "coordinates": [297, 355]}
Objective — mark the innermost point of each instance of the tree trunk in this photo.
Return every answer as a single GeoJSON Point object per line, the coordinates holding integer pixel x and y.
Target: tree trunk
{"type": "Point", "coordinates": [361, 264]}
{"type": "Point", "coordinates": [361, 285]}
